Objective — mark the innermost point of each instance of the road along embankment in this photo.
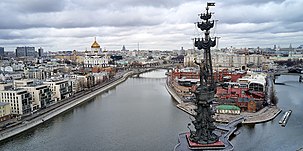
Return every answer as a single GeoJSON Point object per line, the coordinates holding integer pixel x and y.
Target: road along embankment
{"type": "Point", "coordinates": [46, 116]}
{"type": "Point", "coordinates": [186, 107]}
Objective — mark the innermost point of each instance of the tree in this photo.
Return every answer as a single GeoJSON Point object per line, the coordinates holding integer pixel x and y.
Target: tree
{"type": "Point", "coordinates": [273, 97]}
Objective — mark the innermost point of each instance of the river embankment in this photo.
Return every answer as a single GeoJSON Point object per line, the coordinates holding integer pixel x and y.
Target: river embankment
{"type": "Point", "coordinates": [12, 131]}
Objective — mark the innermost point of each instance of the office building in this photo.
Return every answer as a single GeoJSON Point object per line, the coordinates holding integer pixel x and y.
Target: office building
{"type": "Point", "coordinates": [25, 52]}
{"type": "Point", "coordinates": [1, 52]}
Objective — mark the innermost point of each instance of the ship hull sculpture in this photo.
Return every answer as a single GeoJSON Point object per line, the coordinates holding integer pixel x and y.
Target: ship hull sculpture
{"type": "Point", "coordinates": [206, 135]}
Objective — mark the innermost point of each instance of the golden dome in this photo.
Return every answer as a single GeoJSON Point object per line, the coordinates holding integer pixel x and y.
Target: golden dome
{"type": "Point", "coordinates": [95, 44]}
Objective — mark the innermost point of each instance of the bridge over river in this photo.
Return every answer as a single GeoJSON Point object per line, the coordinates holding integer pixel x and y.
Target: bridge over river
{"type": "Point", "coordinates": [143, 69]}
{"type": "Point", "coordinates": [284, 71]}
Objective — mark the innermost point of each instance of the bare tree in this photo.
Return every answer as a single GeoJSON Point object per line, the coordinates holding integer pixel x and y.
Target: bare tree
{"type": "Point", "coordinates": [273, 97]}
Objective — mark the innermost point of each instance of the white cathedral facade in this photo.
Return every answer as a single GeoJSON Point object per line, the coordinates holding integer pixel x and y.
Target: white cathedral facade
{"type": "Point", "coordinates": [96, 57]}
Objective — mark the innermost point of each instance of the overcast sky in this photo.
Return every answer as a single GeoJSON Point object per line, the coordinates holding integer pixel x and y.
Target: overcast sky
{"type": "Point", "coordinates": [154, 24]}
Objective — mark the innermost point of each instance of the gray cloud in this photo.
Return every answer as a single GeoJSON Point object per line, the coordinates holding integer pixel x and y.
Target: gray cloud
{"type": "Point", "coordinates": [38, 6]}
{"type": "Point", "coordinates": [33, 6]}
{"type": "Point", "coordinates": [169, 24]}
{"type": "Point", "coordinates": [118, 4]}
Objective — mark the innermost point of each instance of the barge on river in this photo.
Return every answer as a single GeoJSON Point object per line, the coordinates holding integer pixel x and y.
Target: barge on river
{"type": "Point", "coordinates": [284, 119]}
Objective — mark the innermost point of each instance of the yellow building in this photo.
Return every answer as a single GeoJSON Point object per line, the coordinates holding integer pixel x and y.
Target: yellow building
{"type": "Point", "coordinates": [75, 56]}
{"type": "Point", "coordinates": [5, 111]}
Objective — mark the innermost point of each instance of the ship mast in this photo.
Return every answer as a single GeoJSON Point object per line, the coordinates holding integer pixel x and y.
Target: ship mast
{"type": "Point", "coordinates": [203, 121]}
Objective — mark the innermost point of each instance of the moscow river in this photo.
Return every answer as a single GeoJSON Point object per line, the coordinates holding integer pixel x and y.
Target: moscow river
{"type": "Point", "coordinates": [139, 114]}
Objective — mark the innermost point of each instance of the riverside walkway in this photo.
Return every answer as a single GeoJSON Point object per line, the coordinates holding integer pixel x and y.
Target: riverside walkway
{"type": "Point", "coordinates": [264, 115]}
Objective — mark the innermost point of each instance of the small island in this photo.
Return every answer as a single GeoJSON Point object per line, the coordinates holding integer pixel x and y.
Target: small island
{"type": "Point", "coordinates": [238, 93]}
{"type": "Point", "coordinates": [245, 97]}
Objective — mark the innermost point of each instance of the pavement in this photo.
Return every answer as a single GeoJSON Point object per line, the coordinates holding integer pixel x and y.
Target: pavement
{"type": "Point", "coordinates": [263, 115]}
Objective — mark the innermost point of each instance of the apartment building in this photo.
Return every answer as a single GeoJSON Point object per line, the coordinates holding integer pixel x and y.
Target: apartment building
{"type": "Point", "coordinates": [19, 99]}
{"type": "Point", "coordinates": [40, 92]}
{"type": "Point", "coordinates": [5, 111]}
{"type": "Point", "coordinates": [61, 89]}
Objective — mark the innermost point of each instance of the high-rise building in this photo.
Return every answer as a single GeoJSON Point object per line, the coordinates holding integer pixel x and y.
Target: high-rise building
{"type": "Point", "coordinates": [40, 52]}
{"type": "Point", "coordinates": [25, 51]}
{"type": "Point", "coordinates": [1, 52]}
{"type": "Point", "coordinates": [21, 51]}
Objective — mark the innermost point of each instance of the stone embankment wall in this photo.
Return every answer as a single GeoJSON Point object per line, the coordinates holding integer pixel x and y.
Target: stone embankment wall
{"type": "Point", "coordinates": [172, 92]}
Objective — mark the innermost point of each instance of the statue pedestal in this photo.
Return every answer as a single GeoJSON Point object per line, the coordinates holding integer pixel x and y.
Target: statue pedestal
{"type": "Point", "coordinates": [192, 145]}
{"type": "Point", "coordinates": [186, 145]}
{"type": "Point", "coordinates": [224, 132]}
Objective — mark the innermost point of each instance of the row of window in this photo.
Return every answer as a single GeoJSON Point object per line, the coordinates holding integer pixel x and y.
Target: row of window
{"type": "Point", "coordinates": [8, 94]}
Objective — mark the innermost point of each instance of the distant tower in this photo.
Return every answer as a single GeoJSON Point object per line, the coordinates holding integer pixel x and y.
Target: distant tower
{"type": "Point", "coordinates": [123, 48]}
{"type": "Point", "coordinates": [95, 48]}
{"type": "Point", "coordinates": [40, 52]}
{"type": "Point", "coordinates": [74, 58]}
{"type": "Point", "coordinates": [291, 51]}
{"type": "Point", "coordinates": [1, 52]}
{"type": "Point", "coordinates": [182, 51]}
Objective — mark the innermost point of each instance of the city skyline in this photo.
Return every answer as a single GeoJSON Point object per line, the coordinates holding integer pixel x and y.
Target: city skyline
{"type": "Point", "coordinates": [165, 25]}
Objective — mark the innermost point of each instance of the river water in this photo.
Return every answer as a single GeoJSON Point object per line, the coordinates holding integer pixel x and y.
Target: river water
{"type": "Point", "coordinates": [139, 114]}
{"type": "Point", "coordinates": [271, 136]}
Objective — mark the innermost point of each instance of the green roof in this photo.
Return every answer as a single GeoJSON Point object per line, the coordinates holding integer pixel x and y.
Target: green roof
{"type": "Point", "coordinates": [227, 107]}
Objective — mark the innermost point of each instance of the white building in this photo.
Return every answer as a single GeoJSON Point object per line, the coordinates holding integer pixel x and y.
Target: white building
{"type": "Point", "coordinates": [96, 60]}
{"type": "Point", "coordinates": [19, 99]}
{"type": "Point", "coordinates": [95, 57]}
{"type": "Point", "coordinates": [78, 82]}
{"type": "Point", "coordinates": [61, 89]}
{"type": "Point", "coordinates": [41, 93]}
{"type": "Point", "coordinates": [227, 59]}
{"type": "Point", "coordinates": [5, 111]}
{"type": "Point", "coordinates": [237, 60]}
{"type": "Point", "coordinates": [35, 73]}
{"type": "Point", "coordinates": [255, 81]}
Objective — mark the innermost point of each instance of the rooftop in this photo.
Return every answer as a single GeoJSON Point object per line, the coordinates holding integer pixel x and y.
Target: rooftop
{"type": "Point", "coordinates": [227, 107]}
{"type": "Point", "coordinates": [95, 44]}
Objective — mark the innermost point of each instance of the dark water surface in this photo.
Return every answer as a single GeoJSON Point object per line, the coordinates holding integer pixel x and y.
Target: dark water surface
{"type": "Point", "coordinates": [271, 136]}
{"type": "Point", "coordinates": [139, 114]}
